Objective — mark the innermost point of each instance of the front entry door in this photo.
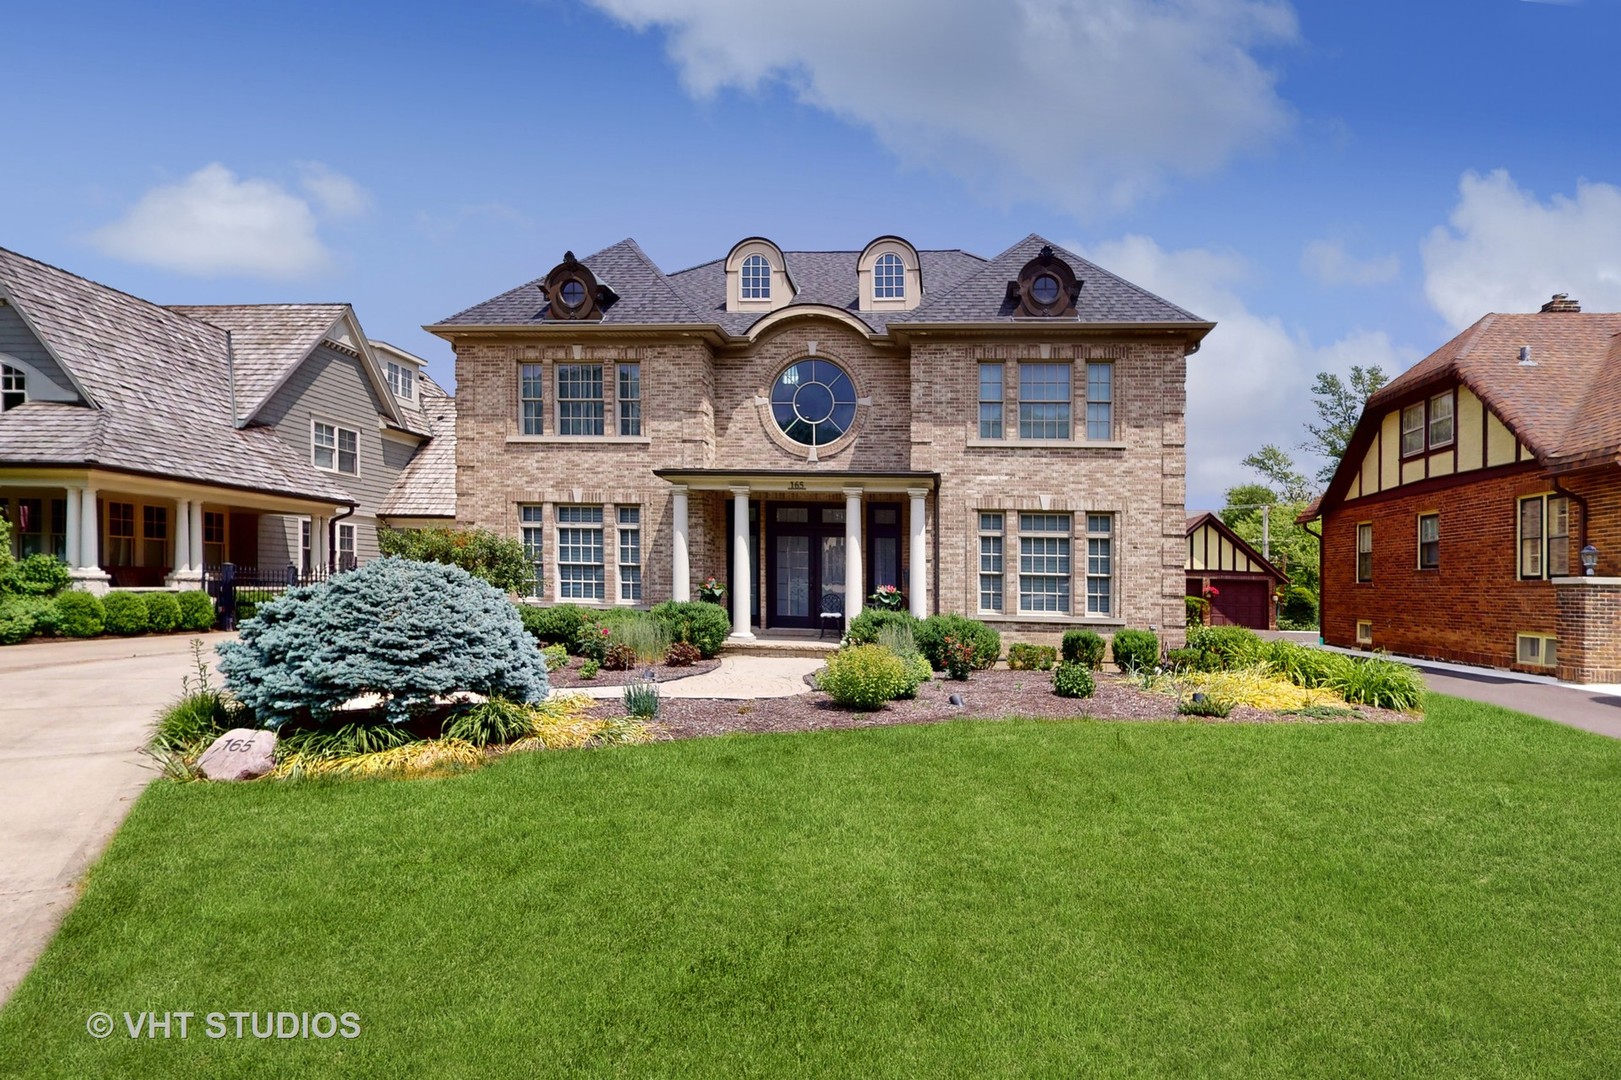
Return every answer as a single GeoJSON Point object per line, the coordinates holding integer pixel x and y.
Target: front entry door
{"type": "Point", "coordinates": [806, 573]}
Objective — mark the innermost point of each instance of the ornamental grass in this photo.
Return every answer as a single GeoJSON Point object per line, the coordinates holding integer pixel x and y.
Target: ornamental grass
{"type": "Point", "coordinates": [1258, 687]}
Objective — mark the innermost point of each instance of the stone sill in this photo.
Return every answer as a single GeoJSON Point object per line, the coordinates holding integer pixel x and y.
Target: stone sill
{"type": "Point", "coordinates": [584, 440]}
{"type": "Point", "coordinates": [1078, 621]}
{"type": "Point", "coordinates": [1612, 582]}
{"type": "Point", "coordinates": [1043, 444]}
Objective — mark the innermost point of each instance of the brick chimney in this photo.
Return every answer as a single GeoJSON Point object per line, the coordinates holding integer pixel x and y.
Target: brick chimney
{"type": "Point", "coordinates": [1562, 302]}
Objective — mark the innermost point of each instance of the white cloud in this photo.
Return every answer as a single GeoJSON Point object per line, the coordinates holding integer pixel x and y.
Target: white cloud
{"type": "Point", "coordinates": [1250, 383]}
{"type": "Point", "coordinates": [1089, 103]}
{"type": "Point", "coordinates": [335, 194]}
{"type": "Point", "coordinates": [1505, 250]}
{"type": "Point", "coordinates": [212, 223]}
{"type": "Point", "coordinates": [1330, 263]}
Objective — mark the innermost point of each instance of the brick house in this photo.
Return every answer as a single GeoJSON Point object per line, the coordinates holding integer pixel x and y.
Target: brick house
{"type": "Point", "coordinates": [1454, 526]}
{"type": "Point", "coordinates": [1000, 437]}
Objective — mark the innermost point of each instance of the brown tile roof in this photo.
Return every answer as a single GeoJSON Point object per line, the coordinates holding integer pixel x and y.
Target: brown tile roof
{"type": "Point", "coordinates": [427, 485]}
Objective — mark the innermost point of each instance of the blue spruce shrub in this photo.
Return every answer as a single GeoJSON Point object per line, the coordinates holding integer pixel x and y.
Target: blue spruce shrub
{"type": "Point", "coordinates": [407, 631]}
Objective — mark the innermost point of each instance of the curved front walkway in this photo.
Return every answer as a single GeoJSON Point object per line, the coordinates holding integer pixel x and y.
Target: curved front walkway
{"type": "Point", "coordinates": [739, 678]}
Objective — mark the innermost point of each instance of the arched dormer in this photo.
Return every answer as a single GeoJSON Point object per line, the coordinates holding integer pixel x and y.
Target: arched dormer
{"type": "Point", "coordinates": [889, 276]}
{"type": "Point", "coordinates": [757, 277]}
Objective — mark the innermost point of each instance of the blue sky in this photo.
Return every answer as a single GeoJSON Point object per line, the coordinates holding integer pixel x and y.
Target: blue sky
{"type": "Point", "coordinates": [1334, 183]}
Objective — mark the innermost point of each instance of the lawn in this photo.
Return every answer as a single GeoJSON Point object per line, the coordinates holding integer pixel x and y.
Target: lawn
{"type": "Point", "coordinates": [1018, 898]}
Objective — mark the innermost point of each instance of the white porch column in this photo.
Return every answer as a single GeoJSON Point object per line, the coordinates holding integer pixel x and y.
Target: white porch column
{"type": "Point", "coordinates": [918, 579]}
{"type": "Point", "coordinates": [854, 589]}
{"type": "Point", "coordinates": [681, 568]}
{"type": "Point", "coordinates": [742, 587]}
{"type": "Point", "coordinates": [317, 543]}
{"type": "Point", "coordinates": [195, 527]}
{"type": "Point", "coordinates": [72, 527]}
{"type": "Point", "coordinates": [182, 537]}
{"type": "Point", "coordinates": [89, 532]}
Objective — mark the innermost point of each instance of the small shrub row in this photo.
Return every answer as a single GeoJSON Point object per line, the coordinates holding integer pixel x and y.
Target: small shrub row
{"type": "Point", "coordinates": [864, 677]}
{"type": "Point", "coordinates": [590, 633]}
{"type": "Point", "coordinates": [81, 615]}
{"type": "Point", "coordinates": [1136, 650]}
{"type": "Point", "coordinates": [1083, 647]}
{"type": "Point", "coordinates": [1374, 681]}
{"type": "Point", "coordinates": [1074, 680]}
{"type": "Point", "coordinates": [1026, 657]}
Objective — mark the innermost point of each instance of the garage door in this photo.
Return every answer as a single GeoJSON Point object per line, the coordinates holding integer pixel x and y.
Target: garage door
{"type": "Point", "coordinates": [1240, 603]}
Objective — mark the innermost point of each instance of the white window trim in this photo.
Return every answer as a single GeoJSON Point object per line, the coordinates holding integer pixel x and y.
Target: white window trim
{"type": "Point", "coordinates": [620, 599]}
{"type": "Point", "coordinates": [1429, 421]}
{"type": "Point", "coordinates": [1067, 612]}
{"type": "Point", "coordinates": [1113, 576]}
{"type": "Point", "coordinates": [1367, 638]}
{"type": "Point", "coordinates": [743, 284]}
{"type": "Point", "coordinates": [406, 371]}
{"type": "Point", "coordinates": [343, 529]}
{"type": "Point", "coordinates": [337, 447]}
{"type": "Point", "coordinates": [980, 534]}
{"type": "Point", "coordinates": [558, 525]}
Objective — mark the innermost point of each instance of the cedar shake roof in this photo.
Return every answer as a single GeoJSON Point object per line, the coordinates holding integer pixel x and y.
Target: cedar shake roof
{"type": "Point", "coordinates": [159, 399]}
{"type": "Point", "coordinates": [427, 486]}
{"type": "Point", "coordinates": [958, 287]}
{"type": "Point", "coordinates": [268, 341]}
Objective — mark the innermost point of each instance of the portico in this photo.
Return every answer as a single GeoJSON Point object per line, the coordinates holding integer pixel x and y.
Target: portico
{"type": "Point", "coordinates": [828, 541]}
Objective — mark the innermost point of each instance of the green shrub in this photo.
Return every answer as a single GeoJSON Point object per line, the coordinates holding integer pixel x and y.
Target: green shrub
{"type": "Point", "coordinates": [187, 727]}
{"type": "Point", "coordinates": [1185, 659]}
{"type": "Point", "coordinates": [683, 654]}
{"type": "Point", "coordinates": [17, 620]}
{"type": "Point", "coordinates": [196, 610]}
{"type": "Point", "coordinates": [343, 740]}
{"type": "Point", "coordinates": [488, 556]}
{"type": "Point", "coordinates": [1083, 647]}
{"type": "Point", "coordinates": [985, 644]}
{"type": "Point", "coordinates": [1303, 665]}
{"type": "Point", "coordinates": [559, 624]}
{"type": "Point", "coordinates": [1136, 650]}
{"type": "Point", "coordinates": [1381, 683]}
{"type": "Point", "coordinates": [248, 602]}
{"type": "Point", "coordinates": [1198, 610]}
{"type": "Point", "coordinates": [1204, 705]}
{"type": "Point", "coordinates": [1299, 610]}
{"type": "Point", "coordinates": [125, 613]}
{"type": "Point", "coordinates": [162, 612]}
{"type": "Point", "coordinates": [409, 632]}
{"type": "Point", "coordinates": [37, 575]}
{"type": "Point", "coordinates": [641, 699]}
{"type": "Point", "coordinates": [647, 637]}
{"type": "Point", "coordinates": [589, 669]}
{"type": "Point", "coordinates": [619, 657]}
{"type": "Point", "coordinates": [1025, 657]}
{"type": "Point", "coordinates": [864, 677]}
{"type": "Point", "coordinates": [79, 615]}
{"type": "Point", "coordinates": [46, 618]}
{"type": "Point", "coordinates": [492, 722]}
{"type": "Point", "coordinates": [866, 627]}
{"type": "Point", "coordinates": [1230, 647]}
{"type": "Point", "coordinates": [898, 639]}
{"type": "Point", "coordinates": [556, 657]}
{"type": "Point", "coordinates": [1074, 680]}
{"type": "Point", "coordinates": [696, 622]}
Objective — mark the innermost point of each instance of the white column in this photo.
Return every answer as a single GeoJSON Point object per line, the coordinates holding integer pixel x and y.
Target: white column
{"type": "Point", "coordinates": [89, 532]}
{"type": "Point", "coordinates": [854, 588]}
{"type": "Point", "coordinates": [195, 527]}
{"type": "Point", "coordinates": [918, 581]}
{"type": "Point", "coordinates": [182, 536]}
{"type": "Point", "coordinates": [741, 585]}
{"type": "Point", "coordinates": [317, 543]}
{"type": "Point", "coordinates": [72, 527]}
{"type": "Point", "coordinates": [681, 567]}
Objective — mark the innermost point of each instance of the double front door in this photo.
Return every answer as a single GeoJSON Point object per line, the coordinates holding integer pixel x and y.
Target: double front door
{"type": "Point", "coordinates": [805, 566]}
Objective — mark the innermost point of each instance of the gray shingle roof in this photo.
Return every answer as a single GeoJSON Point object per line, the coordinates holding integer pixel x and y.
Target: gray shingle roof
{"type": "Point", "coordinates": [427, 486]}
{"type": "Point", "coordinates": [268, 341]}
{"type": "Point", "coordinates": [157, 380]}
{"type": "Point", "coordinates": [957, 287]}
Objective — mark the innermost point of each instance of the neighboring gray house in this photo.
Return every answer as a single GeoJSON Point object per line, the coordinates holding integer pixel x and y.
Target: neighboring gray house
{"type": "Point", "coordinates": [141, 442]}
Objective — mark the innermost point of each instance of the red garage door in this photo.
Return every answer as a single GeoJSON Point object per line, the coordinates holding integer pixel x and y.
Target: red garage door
{"type": "Point", "coordinates": [1241, 603]}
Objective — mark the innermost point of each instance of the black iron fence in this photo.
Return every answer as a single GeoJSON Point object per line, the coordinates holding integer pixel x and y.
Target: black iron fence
{"type": "Point", "coordinates": [239, 590]}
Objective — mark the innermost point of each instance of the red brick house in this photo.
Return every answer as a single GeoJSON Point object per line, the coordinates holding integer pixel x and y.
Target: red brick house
{"type": "Point", "coordinates": [1456, 523]}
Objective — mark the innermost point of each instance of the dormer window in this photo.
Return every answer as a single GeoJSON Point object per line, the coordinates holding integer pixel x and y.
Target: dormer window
{"type": "Point", "coordinates": [756, 278]}
{"type": "Point", "coordinates": [13, 387]}
{"type": "Point", "coordinates": [573, 293]}
{"type": "Point", "coordinates": [889, 277]}
{"type": "Point", "coordinates": [1046, 288]}
{"type": "Point", "coordinates": [401, 380]}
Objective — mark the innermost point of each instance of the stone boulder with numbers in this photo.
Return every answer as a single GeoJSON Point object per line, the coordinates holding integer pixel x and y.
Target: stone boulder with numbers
{"type": "Point", "coordinates": [239, 754]}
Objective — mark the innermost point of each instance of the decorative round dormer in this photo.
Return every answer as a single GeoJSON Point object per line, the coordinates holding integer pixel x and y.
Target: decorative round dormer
{"type": "Point", "coordinates": [573, 293]}
{"type": "Point", "coordinates": [1046, 288]}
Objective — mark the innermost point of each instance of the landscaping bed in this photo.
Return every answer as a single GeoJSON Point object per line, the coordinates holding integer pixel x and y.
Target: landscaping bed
{"type": "Point", "coordinates": [568, 677]}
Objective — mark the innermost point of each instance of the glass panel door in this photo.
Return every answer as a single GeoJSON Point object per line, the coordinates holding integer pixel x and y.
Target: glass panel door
{"type": "Point", "coordinates": [793, 577]}
{"type": "Point", "coordinates": [886, 561]}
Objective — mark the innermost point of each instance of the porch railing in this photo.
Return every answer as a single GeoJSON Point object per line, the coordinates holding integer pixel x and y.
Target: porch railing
{"type": "Point", "coordinates": [234, 587]}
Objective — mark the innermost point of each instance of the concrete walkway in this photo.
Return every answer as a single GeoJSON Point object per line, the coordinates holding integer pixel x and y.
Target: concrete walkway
{"type": "Point", "coordinates": [739, 678]}
{"type": "Point", "coordinates": [73, 716]}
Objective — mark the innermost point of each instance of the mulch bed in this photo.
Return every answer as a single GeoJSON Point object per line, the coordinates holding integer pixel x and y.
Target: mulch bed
{"type": "Point", "coordinates": [568, 678]}
{"type": "Point", "coordinates": [990, 695]}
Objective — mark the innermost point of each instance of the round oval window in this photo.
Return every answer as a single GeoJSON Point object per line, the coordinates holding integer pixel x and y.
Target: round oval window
{"type": "Point", "coordinates": [1044, 289]}
{"type": "Point", "coordinates": [573, 292]}
{"type": "Point", "coordinates": [814, 402]}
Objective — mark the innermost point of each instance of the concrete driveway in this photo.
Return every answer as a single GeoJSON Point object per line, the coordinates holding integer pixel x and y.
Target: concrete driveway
{"type": "Point", "coordinates": [73, 716]}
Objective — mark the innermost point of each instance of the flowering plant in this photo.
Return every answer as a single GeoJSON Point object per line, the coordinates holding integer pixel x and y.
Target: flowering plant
{"type": "Point", "coordinates": [1211, 590]}
{"type": "Point", "coordinates": [887, 597]}
{"type": "Point", "coordinates": [712, 591]}
{"type": "Point", "coordinates": [958, 657]}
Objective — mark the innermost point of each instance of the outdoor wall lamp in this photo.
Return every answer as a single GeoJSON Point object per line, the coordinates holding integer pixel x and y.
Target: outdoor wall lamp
{"type": "Point", "coordinates": [1589, 560]}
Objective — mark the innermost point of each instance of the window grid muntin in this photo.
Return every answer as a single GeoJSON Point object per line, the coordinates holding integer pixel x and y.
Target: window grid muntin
{"type": "Point", "coordinates": [889, 278]}
{"type": "Point", "coordinates": [992, 580]}
{"type": "Point", "coordinates": [1100, 401]}
{"type": "Point", "coordinates": [346, 545]}
{"type": "Point", "coordinates": [1099, 564]}
{"type": "Point", "coordinates": [579, 553]}
{"type": "Point", "coordinates": [401, 380]}
{"type": "Point", "coordinates": [1558, 530]}
{"type": "Point", "coordinates": [532, 531]}
{"type": "Point", "coordinates": [1044, 400]}
{"type": "Point", "coordinates": [13, 387]}
{"type": "Point", "coordinates": [799, 408]}
{"type": "Point", "coordinates": [630, 553]}
{"type": "Point", "coordinates": [579, 399]}
{"type": "Point", "coordinates": [755, 280]}
{"type": "Point", "coordinates": [532, 399]}
{"type": "Point", "coordinates": [991, 396]}
{"type": "Point", "coordinates": [325, 446]}
{"type": "Point", "coordinates": [348, 451]}
{"type": "Point", "coordinates": [1044, 563]}
{"type": "Point", "coordinates": [1412, 430]}
{"type": "Point", "coordinates": [630, 399]}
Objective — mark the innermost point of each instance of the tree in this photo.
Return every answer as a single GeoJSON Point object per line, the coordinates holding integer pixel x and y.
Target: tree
{"type": "Point", "coordinates": [488, 556]}
{"type": "Point", "coordinates": [1287, 482]}
{"type": "Point", "coordinates": [1339, 405]}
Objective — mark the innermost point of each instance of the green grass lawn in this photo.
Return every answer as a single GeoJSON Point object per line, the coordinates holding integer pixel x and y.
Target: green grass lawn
{"type": "Point", "coordinates": [1059, 899]}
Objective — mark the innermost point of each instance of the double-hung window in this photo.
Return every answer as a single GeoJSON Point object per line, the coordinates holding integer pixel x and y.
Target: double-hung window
{"type": "Point", "coordinates": [1044, 400]}
{"type": "Point", "coordinates": [990, 401]}
{"type": "Point", "coordinates": [346, 545]}
{"type": "Point", "coordinates": [630, 554]}
{"type": "Point", "coordinates": [120, 534]}
{"type": "Point", "coordinates": [214, 538]}
{"type": "Point", "coordinates": [1412, 430]}
{"type": "Point", "coordinates": [154, 536]}
{"type": "Point", "coordinates": [630, 399]}
{"type": "Point", "coordinates": [579, 553]}
{"type": "Point", "coordinates": [1044, 563]}
{"type": "Point", "coordinates": [1099, 564]}
{"type": "Point", "coordinates": [1429, 541]}
{"type": "Point", "coordinates": [1441, 420]}
{"type": "Point", "coordinates": [531, 399]}
{"type": "Point", "coordinates": [1428, 425]}
{"type": "Point", "coordinates": [990, 562]}
{"type": "Point", "coordinates": [889, 278]}
{"type": "Point", "coordinates": [579, 399]}
{"type": "Point", "coordinates": [532, 530]}
{"type": "Point", "coordinates": [756, 278]}
{"type": "Point", "coordinates": [1100, 402]}
{"type": "Point", "coordinates": [1544, 534]}
{"type": "Point", "coordinates": [401, 380]}
{"type": "Point", "coordinates": [336, 449]}
{"type": "Point", "coordinates": [1364, 551]}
